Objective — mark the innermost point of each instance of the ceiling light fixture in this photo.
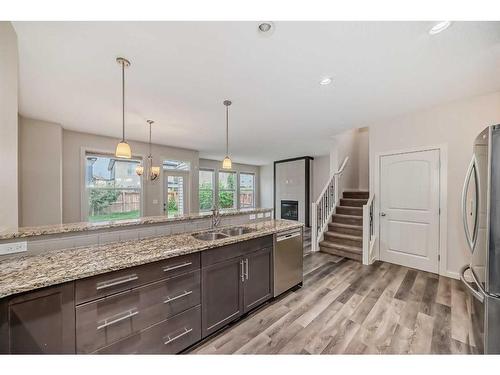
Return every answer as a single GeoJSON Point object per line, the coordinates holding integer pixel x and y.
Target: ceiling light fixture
{"type": "Point", "coordinates": [152, 172]}
{"type": "Point", "coordinates": [226, 163]}
{"type": "Point", "coordinates": [439, 27]}
{"type": "Point", "coordinates": [325, 81]}
{"type": "Point", "coordinates": [265, 26]}
{"type": "Point", "coordinates": [123, 149]}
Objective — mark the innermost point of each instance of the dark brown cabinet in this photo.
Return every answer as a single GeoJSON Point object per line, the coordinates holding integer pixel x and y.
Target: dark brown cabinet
{"type": "Point", "coordinates": [257, 286]}
{"type": "Point", "coordinates": [235, 279]}
{"type": "Point", "coordinates": [222, 294]}
{"type": "Point", "coordinates": [41, 322]}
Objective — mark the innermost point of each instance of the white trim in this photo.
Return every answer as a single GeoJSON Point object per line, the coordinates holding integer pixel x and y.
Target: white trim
{"type": "Point", "coordinates": [443, 201]}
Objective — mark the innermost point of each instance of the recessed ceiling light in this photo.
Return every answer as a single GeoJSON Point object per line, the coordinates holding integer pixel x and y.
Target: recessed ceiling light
{"type": "Point", "coordinates": [266, 27]}
{"type": "Point", "coordinates": [325, 81]}
{"type": "Point", "coordinates": [440, 26]}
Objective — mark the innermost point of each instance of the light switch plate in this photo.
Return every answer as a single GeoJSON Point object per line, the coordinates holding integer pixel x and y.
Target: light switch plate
{"type": "Point", "coordinates": [155, 201]}
{"type": "Point", "coordinates": [260, 216]}
{"type": "Point", "coordinates": [13, 247]}
{"type": "Point", "coordinates": [252, 217]}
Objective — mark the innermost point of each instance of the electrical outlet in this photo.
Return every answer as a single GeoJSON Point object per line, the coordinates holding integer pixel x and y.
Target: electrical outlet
{"type": "Point", "coordinates": [155, 201]}
{"type": "Point", "coordinates": [13, 247]}
{"type": "Point", "coordinates": [252, 217]}
{"type": "Point", "coordinates": [260, 216]}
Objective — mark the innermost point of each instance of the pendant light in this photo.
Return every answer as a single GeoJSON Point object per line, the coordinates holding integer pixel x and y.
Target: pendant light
{"type": "Point", "coordinates": [123, 149]}
{"type": "Point", "coordinates": [226, 163]}
{"type": "Point", "coordinates": [152, 172]}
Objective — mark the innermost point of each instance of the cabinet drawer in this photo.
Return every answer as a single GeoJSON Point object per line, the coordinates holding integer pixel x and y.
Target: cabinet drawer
{"type": "Point", "coordinates": [220, 254]}
{"type": "Point", "coordinates": [102, 322]}
{"type": "Point", "coordinates": [168, 337]}
{"type": "Point", "coordinates": [117, 281]}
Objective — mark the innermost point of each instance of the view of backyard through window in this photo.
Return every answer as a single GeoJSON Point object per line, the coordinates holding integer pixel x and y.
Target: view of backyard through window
{"type": "Point", "coordinates": [247, 190]}
{"type": "Point", "coordinates": [227, 190]}
{"type": "Point", "coordinates": [113, 188]}
{"type": "Point", "coordinates": [206, 190]}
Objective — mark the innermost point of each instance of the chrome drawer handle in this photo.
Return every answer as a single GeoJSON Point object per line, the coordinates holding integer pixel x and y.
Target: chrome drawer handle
{"type": "Point", "coordinates": [177, 266]}
{"type": "Point", "coordinates": [106, 322]}
{"type": "Point", "coordinates": [170, 299]}
{"type": "Point", "coordinates": [170, 340]}
{"type": "Point", "coordinates": [117, 281]}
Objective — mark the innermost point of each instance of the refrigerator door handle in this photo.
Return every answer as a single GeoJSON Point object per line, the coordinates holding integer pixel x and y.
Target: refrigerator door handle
{"type": "Point", "coordinates": [478, 295]}
{"type": "Point", "coordinates": [471, 240]}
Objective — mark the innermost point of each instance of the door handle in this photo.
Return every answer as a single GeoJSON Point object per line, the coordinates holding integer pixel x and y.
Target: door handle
{"type": "Point", "coordinates": [242, 272]}
{"type": "Point", "coordinates": [471, 239]}
{"type": "Point", "coordinates": [382, 214]}
{"type": "Point", "coordinates": [246, 268]}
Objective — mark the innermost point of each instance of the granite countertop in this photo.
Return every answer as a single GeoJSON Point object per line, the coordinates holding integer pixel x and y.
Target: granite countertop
{"type": "Point", "coordinates": [30, 272]}
{"type": "Point", "coordinates": [23, 232]}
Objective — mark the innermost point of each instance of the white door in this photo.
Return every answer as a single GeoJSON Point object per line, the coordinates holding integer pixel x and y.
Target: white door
{"type": "Point", "coordinates": [409, 209]}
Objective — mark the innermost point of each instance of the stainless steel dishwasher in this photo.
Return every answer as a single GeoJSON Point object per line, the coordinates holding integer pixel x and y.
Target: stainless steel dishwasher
{"type": "Point", "coordinates": [288, 261]}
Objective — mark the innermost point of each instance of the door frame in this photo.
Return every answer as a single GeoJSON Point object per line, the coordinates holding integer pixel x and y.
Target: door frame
{"type": "Point", "coordinates": [443, 201]}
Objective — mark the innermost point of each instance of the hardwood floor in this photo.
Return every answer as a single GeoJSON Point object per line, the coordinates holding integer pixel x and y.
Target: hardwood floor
{"type": "Point", "coordinates": [347, 308]}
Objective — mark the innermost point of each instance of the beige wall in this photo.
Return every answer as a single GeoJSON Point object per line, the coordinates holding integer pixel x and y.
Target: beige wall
{"type": "Point", "coordinates": [320, 175]}
{"type": "Point", "coordinates": [74, 146]}
{"type": "Point", "coordinates": [454, 125]}
{"type": "Point", "coordinates": [266, 186]}
{"type": "Point", "coordinates": [216, 166]}
{"type": "Point", "coordinates": [352, 143]}
{"type": "Point", "coordinates": [40, 170]}
{"type": "Point", "coordinates": [363, 158]}
{"type": "Point", "coordinates": [8, 126]}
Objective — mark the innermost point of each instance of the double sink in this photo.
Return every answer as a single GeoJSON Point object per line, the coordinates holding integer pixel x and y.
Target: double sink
{"type": "Point", "coordinates": [223, 233]}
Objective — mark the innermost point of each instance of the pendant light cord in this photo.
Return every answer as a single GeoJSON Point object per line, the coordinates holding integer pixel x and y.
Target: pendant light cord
{"type": "Point", "coordinates": [123, 101]}
{"type": "Point", "coordinates": [150, 139]}
{"type": "Point", "coordinates": [227, 130]}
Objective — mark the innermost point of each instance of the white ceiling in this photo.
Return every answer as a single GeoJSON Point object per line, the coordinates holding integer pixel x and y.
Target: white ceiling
{"type": "Point", "coordinates": [182, 71]}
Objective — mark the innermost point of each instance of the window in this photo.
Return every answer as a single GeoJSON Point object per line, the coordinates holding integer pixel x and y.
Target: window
{"type": "Point", "coordinates": [227, 190]}
{"type": "Point", "coordinates": [113, 188]}
{"type": "Point", "coordinates": [176, 165]}
{"type": "Point", "coordinates": [247, 190]}
{"type": "Point", "coordinates": [206, 189]}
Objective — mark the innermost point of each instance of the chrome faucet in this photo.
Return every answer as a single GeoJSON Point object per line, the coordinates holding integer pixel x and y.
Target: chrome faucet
{"type": "Point", "coordinates": [215, 217]}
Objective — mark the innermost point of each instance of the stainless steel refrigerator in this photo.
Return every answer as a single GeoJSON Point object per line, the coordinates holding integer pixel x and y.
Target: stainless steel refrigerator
{"type": "Point", "coordinates": [481, 217]}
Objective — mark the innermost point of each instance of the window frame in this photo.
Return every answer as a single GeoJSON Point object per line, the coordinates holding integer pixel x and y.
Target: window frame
{"type": "Point", "coordinates": [84, 196]}
{"type": "Point", "coordinates": [253, 189]}
{"type": "Point", "coordinates": [236, 203]}
{"type": "Point", "coordinates": [214, 187]}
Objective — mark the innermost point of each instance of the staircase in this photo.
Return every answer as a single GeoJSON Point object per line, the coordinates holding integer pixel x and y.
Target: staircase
{"type": "Point", "coordinates": [344, 236]}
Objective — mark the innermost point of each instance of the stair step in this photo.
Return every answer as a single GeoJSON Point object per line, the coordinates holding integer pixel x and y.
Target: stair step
{"type": "Point", "coordinates": [351, 202]}
{"type": "Point", "coordinates": [354, 211]}
{"type": "Point", "coordinates": [344, 239]}
{"type": "Point", "coordinates": [355, 230]}
{"type": "Point", "coordinates": [350, 252]}
{"type": "Point", "coordinates": [347, 219]}
{"type": "Point", "coordinates": [356, 194]}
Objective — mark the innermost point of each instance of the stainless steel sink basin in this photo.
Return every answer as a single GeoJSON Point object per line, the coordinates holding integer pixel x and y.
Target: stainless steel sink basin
{"type": "Point", "coordinates": [210, 236]}
{"type": "Point", "coordinates": [237, 231]}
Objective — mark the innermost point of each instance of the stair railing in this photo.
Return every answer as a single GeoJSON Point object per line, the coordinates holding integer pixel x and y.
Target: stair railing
{"type": "Point", "coordinates": [368, 231]}
{"type": "Point", "coordinates": [324, 207]}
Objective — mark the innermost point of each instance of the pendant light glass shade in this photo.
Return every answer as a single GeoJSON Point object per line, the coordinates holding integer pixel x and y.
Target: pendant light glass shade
{"type": "Point", "coordinates": [123, 149]}
{"type": "Point", "coordinates": [139, 170]}
{"type": "Point", "coordinates": [226, 163]}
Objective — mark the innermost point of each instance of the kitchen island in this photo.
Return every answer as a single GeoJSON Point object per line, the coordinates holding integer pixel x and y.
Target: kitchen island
{"type": "Point", "coordinates": [156, 295]}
